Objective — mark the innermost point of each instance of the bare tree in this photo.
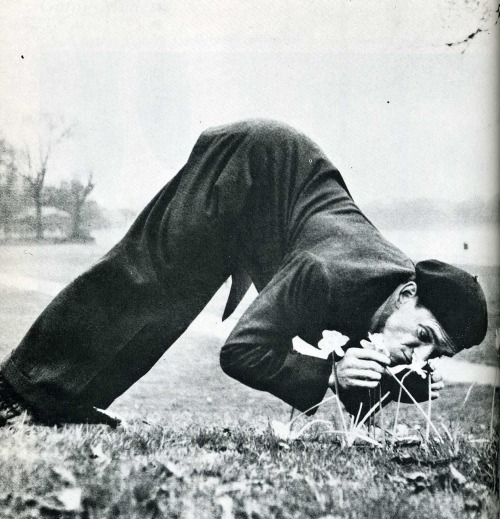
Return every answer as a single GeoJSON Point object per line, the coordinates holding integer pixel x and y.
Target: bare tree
{"type": "Point", "coordinates": [71, 197]}
{"type": "Point", "coordinates": [36, 169]}
{"type": "Point", "coordinates": [10, 202]}
{"type": "Point", "coordinates": [480, 10]}
{"type": "Point", "coordinates": [79, 193]}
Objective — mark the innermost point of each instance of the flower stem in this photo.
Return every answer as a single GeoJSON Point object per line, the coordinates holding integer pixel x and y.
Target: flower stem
{"type": "Point", "coordinates": [312, 407]}
{"type": "Point", "coordinates": [359, 414]}
{"type": "Point", "coordinates": [395, 428]}
{"type": "Point", "coordinates": [337, 395]}
{"type": "Point", "coordinates": [429, 410]}
{"type": "Point", "coordinates": [419, 407]}
{"type": "Point", "coordinates": [382, 421]}
{"type": "Point", "coordinates": [373, 409]}
{"type": "Point", "coordinates": [371, 421]}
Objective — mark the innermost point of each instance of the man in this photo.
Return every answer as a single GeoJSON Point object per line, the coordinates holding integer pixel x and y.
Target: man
{"type": "Point", "coordinates": [261, 202]}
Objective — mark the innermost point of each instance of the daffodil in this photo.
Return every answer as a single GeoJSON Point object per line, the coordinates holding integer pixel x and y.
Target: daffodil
{"type": "Point", "coordinates": [375, 342]}
{"type": "Point", "coordinates": [417, 365]}
{"type": "Point", "coordinates": [333, 341]}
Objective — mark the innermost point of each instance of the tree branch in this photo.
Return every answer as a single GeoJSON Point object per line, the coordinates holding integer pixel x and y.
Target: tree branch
{"type": "Point", "coordinates": [472, 35]}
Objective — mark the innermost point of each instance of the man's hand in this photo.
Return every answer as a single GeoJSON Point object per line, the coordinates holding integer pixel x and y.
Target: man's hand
{"type": "Point", "coordinates": [418, 386]}
{"type": "Point", "coordinates": [437, 384]}
{"type": "Point", "coordinates": [360, 368]}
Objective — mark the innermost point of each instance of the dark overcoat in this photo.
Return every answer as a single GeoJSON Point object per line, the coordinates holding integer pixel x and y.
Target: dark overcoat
{"type": "Point", "coordinates": [256, 200]}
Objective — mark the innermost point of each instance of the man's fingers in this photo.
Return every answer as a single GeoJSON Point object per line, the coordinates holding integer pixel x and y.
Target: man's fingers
{"type": "Point", "coordinates": [363, 374]}
{"type": "Point", "coordinates": [436, 377]}
{"type": "Point", "coordinates": [366, 383]}
{"type": "Point", "coordinates": [370, 365]}
{"type": "Point", "coordinates": [436, 386]}
{"type": "Point", "coordinates": [363, 353]}
{"type": "Point", "coordinates": [434, 395]}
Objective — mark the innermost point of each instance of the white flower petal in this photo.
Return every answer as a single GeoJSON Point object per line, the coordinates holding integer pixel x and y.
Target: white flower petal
{"type": "Point", "coordinates": [304, 348]}
{"type": "Point", "coordinates": [378, 340]}
{"type": "Point", "coordinates": [367, 344]}
{"type": "Point", "coordinates": [417, 365]}
{"type": "Point", "coordinates": [326, 345]}
{"type": "Point", "coordinates": [333, 341]}
{"type": "Point", "coordinates": [339, 351]}
{"type": "Point", "coordinates": [336, 336]}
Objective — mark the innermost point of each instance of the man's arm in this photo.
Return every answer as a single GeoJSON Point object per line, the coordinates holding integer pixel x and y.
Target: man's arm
{"type": "Point", "coordinates": [259, 351]}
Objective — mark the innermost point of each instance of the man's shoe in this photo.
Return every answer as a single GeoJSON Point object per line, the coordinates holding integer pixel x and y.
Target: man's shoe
{"type": "Point", "coordinates": [14, 411]}
{"type": "Point", "coordinates": [86, 414]}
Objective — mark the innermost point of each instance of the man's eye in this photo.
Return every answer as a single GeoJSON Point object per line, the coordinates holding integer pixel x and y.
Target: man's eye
{"type": "Point", "coordinates": [424, 335]}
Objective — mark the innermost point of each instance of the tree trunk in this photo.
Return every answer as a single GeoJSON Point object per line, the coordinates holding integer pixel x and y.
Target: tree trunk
{"type": "Point", "coordinates": [76, 232]}
{"type": "Point", "coordinates": [38, 219]}
{"type": "Point", "coordinates": [7, 230]}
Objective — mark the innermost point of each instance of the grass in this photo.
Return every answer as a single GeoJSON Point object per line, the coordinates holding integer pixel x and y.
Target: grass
{"type": "Point", "coordinates": [196, 470]}
{"type": "Point", "coordinates": [207, 450]}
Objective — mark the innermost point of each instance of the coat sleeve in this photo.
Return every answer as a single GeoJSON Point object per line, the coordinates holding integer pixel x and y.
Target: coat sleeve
{"type": "Point", "coordinates": [259, 350]}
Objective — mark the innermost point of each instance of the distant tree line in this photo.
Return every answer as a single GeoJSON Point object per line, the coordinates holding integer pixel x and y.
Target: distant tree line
{"type": "Point", "coordinates": [425, 213]}
{"type": "Point", "coordinates": [31, 208]}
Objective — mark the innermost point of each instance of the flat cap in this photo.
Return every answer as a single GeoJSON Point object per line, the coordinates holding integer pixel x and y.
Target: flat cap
{"type": "Point", "coordinates": [455, 298]}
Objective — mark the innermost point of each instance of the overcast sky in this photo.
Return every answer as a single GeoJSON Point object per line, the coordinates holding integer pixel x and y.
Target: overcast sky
{"type": "Point", "coordinates": [399, 112]}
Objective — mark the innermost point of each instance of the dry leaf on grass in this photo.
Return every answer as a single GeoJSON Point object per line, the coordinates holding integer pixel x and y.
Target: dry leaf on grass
{"type": "Point", "coordinates": [281, 430]}
{"type": "Point", "coordinates": [98, 454]}
{"type": "Point", "coordinates": [226, 504]}
{"type": "Point", "coordinates": [64, 475]}
{"type": "Point", "coordinates": [457, 476]}
{"type": "Point", "coordinates": [70, 499]}
{"type": "Point", "coordinates": [67, 500]}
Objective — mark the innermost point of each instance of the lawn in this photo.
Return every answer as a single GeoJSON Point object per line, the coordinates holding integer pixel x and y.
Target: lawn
{"type": "Point", "coordinates": [196, 444]}
{"type": "Point", "coordinates": [221, 460]}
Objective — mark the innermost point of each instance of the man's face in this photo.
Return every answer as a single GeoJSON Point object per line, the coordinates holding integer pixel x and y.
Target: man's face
{"type": "Point", "coordinates": [409, 329]}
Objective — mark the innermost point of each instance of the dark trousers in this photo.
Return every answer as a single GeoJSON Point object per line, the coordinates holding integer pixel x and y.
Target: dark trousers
{"type": "Point", "coordinates": [239, 204]}
{"type": "Point", "coordinates": [110, 325]}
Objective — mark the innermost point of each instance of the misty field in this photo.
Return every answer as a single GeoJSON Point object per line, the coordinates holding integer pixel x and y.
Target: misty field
{"type": "Point", "coordinates": [196, 444]}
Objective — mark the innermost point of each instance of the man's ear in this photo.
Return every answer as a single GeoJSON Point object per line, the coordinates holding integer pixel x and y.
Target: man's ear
{"type": "Point", "coordinates": [406, 292]}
